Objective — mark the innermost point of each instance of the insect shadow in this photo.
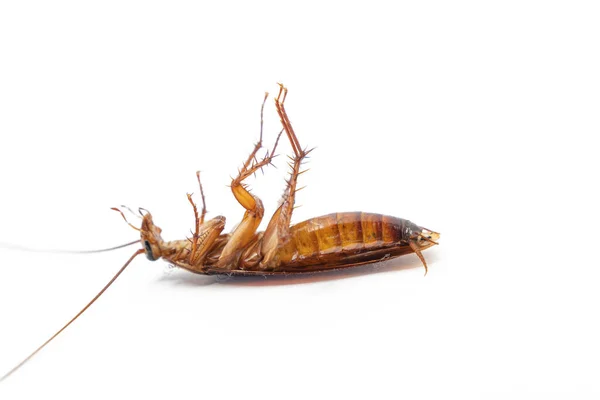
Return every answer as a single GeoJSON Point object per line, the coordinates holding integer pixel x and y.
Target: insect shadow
{"type": "Point", "coordinates": [178, 277]}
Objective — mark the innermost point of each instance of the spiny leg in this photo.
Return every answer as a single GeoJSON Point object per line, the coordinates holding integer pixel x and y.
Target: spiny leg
{"type": "Point", "coordinates": [198, 221]}
{"type": "Point", "coordinates": [203, 198]}
{"type": "Point", "coordinates": [253, 205]}
{"type": "Point", "coordinates": [287, 126]}
{"type": "Point", "coordinates": [242, 195]}
{"type": "Point", "coordinates": [257, 146]}
{"type": "Point", "coordinates": [277, 232]}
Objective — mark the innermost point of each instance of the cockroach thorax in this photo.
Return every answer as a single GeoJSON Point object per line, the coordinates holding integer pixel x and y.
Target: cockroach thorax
{"type": "Point", "coordinates": [191, 250]}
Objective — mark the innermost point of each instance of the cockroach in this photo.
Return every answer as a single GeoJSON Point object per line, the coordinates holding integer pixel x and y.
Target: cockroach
{"type": "Point", "coordinates": [330, 242]}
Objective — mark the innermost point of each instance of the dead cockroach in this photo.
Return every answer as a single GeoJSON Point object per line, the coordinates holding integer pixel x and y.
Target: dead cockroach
{"type": "Point", "coordinates": [330, 242]}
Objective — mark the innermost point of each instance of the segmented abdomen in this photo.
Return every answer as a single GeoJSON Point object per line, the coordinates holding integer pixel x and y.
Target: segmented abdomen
{"type": "Point", "coordinates": [338, 239]}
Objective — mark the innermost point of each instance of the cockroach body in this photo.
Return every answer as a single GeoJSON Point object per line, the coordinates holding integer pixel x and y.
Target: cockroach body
{"type": "Point", "coordinates": [329, 242]}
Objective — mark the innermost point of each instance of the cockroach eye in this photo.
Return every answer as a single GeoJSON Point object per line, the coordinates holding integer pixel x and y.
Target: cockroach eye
{"type": "Point", "coordinates": [149, 253]}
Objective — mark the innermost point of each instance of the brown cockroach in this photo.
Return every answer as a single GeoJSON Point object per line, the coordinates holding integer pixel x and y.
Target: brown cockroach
{"type": "Point", "coordinates": [330, 242]}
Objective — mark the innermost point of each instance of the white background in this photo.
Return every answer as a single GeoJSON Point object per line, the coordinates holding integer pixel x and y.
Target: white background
{"type": "Point", "coordinates": [475, 119]}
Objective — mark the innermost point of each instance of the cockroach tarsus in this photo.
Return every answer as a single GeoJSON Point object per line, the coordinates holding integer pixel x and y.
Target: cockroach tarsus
{"type": "Point", "coordinates": [326, 243]}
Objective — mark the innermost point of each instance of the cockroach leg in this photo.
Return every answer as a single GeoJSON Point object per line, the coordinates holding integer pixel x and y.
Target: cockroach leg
{"type": "Point", "coordinates": [203, 214]}
{"type": "Point", "coordinates": [198, 221]}
{"type": "Point", "coordinates": [244, 232]}
{"type": "Point", "coordinates": [196, 233]}
{"type": "Point", "coordinates": [277, 232]}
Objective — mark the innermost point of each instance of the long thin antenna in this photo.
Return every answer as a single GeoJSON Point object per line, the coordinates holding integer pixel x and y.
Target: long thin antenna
{"type": "Point", "coordinates": [33, 250]}
{"type": "Point", "coordinates": [12, 371]}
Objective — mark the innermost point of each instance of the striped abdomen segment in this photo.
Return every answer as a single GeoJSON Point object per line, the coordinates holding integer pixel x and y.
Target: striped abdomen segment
{"type": "Point", "coordinates": [338, 239]}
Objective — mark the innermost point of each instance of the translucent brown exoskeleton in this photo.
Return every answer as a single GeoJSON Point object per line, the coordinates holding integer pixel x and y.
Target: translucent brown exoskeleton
{"type": "Point", "coordinates": [329, 242]}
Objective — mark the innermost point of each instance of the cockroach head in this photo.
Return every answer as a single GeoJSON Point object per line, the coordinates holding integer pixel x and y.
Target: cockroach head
{"type": "Point", "coordinates": [150, 237]}
{"type": "Point", "coordinates": [149, 233]}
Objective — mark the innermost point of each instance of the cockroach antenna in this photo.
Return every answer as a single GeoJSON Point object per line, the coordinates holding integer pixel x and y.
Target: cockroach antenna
{"type": "Point", "coordinates": [61, 251]}
{"type": "Point", "coordinates": [29, 357]}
